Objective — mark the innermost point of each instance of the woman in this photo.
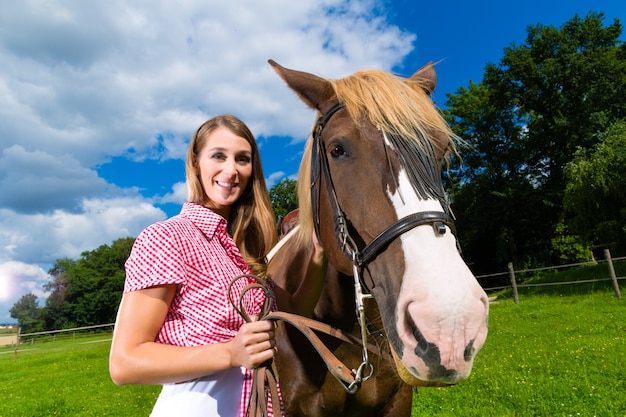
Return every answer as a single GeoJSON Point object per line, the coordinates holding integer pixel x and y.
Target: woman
{"type": "Point", "coordinates": [175, 323]}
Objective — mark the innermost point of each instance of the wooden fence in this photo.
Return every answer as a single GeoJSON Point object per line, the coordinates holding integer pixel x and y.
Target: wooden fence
{"type": "Point", "coordinates": [514, 285]}
{"type": "Point", "coordinates": [22, 338]}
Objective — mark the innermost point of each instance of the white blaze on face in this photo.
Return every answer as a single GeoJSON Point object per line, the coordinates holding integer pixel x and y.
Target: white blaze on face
{"type": "Point", "coordinates": [439, 295]}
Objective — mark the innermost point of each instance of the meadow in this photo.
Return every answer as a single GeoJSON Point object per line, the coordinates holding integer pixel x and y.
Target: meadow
{"type": "Point", "coordinates": [546, 356]}
{"type": "Point", "coordinates": [549, 355]}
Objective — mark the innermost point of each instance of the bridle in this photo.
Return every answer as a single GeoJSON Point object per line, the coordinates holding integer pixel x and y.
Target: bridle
{"type": "Point", "coordinates": [360, 257]}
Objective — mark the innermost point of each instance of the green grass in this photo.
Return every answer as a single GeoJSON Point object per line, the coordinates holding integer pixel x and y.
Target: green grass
{"type": "Point", "coordinates": [67, 378]}
{"type": "Point", "coordinates": [546, 356]}
{"type": "Point", "coordinates": [549, 355]}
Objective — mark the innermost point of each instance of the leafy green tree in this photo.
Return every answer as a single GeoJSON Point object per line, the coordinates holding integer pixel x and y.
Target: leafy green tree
{"type": "Point", "coordinates": [570, 248]}
{"type": "Point", "coordinates": [284, 197]}
{"type": "Point", "coordinates": [97, 283]}
{"type": "Point", "coordinates": [87, 291]}
{"type": "Point", "coordinates": [521, 125]}
{"type": "Point", "coordinates": [595, 195]}
{"type": "Point", "coordinates": [26, 311]}
{"type": "Point", "coordinates": [55, 313]}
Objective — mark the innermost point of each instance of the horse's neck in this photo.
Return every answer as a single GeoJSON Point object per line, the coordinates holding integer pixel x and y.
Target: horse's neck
{"type": "Point", "coordinates": [336, 305]}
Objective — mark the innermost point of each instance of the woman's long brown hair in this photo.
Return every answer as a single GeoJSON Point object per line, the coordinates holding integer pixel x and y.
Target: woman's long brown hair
{"type": "Point", "coordinates": [251, 223]}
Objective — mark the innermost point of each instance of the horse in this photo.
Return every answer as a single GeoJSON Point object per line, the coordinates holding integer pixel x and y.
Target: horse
{"type": "Point", "coordinates": [370, 189]}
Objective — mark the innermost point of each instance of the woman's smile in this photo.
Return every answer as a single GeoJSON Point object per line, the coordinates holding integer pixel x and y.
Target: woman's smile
{"type": "Point", "coordinates": [224, 167]}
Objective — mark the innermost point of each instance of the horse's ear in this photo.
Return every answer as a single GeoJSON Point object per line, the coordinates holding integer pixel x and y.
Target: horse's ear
{"type": "Point", "coordinates": [311, 89]}
{"type": "Point", "coordinates": [426, 77]}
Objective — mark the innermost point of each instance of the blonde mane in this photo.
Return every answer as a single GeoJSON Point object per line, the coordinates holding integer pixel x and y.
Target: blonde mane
{"type": "Point", "coordinates": [398, 106]}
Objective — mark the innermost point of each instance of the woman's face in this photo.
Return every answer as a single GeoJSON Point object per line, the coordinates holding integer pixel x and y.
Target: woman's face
{"type": "Point", "coordinates": [225, 167]}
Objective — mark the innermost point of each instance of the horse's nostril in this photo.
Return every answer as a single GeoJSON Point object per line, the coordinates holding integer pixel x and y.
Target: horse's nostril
{"type": "Point", "coordinates": [468, 353]}
{"type": "Point", "coordinates": [422, 344]}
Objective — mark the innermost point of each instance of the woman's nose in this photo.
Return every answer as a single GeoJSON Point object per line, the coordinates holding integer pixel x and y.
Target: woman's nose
{"type": "Point", "coordinates": [230, 166]}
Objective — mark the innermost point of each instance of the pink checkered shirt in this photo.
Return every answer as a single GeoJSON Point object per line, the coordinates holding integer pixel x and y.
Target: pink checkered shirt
{"type": "Point", "coordinates": [194, 251]}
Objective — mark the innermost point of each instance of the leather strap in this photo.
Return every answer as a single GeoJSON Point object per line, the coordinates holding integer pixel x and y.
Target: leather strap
{"type": "Point", "coordinates": [265, 377]}
{"type": "Point", "coordinates": [308, 327]}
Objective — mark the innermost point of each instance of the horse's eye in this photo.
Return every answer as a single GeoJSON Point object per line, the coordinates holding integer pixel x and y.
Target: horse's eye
{"type": "Point", "coordinates": [337, 151]}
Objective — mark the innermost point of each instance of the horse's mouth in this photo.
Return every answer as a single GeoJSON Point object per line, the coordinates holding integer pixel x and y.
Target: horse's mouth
{"type": "Point", "coordinates": [410, 378]}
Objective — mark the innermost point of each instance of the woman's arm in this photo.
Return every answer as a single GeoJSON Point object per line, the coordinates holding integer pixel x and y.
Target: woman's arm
{"type": "Point", "coordinates": [137, 359]}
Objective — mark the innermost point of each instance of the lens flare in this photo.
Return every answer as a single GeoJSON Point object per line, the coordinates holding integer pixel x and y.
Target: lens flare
{"type": "Point", "coordinates": [8, 287]}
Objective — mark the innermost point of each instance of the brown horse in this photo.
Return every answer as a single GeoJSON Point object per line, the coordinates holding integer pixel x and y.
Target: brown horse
{"type": "Point", "coordinates": [370, 187]}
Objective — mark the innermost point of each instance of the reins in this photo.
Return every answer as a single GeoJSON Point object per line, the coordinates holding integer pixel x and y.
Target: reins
{"type": "Point", "coordinates": [265, 377]}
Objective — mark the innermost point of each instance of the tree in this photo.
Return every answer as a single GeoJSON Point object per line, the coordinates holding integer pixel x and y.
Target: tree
{"type": "Point", "coordinates": [87, 291]}
{"type": "Point", "coordinates": [96, 283]}
{"type": "Point", "coordinates": [55, 314]}
{"type": "Point", "coordinates": [521, 125]}
{"type": "Point", "coordinates": [595, 195]}
{"type": "Point", "coordinates": [26, 311]}
{"type": "Point", "coordinates": [284, 197]}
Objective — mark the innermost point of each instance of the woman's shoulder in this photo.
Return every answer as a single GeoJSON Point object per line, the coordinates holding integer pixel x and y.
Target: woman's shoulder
{"type": "Point", "coordinates": [169, 225]}
{"type": "Point", "coordinates": [171, 229]}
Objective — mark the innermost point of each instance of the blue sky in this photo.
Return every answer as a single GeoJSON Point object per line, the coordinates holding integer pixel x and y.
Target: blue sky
{"type": "Point", "coordinates": [98, 99]}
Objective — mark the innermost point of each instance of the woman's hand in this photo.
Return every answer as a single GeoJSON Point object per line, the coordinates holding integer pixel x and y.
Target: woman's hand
{"type": "Point", "coordinates": [253, 344]}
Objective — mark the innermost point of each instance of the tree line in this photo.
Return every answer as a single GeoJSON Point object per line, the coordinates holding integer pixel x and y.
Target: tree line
{"type": "Point", "coordinates": [538, 178]}
{"type": "Point", "coordinates": [83, 292]}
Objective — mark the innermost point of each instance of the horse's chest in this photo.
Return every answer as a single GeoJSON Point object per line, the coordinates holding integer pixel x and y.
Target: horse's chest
{"type": "Point", "coordinates": [316, 393]}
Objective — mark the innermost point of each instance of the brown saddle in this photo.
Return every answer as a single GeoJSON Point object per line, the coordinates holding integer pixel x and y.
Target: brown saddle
{"type": "Point", "coordinates": [288, 222]}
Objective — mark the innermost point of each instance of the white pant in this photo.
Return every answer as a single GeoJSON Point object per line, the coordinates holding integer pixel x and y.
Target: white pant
{"type": "Point", "coordinates": [211, 396]}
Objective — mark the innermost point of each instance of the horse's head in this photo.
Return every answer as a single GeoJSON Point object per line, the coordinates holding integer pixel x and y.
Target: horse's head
{"type": "Point", "coordinates": [377, 172]}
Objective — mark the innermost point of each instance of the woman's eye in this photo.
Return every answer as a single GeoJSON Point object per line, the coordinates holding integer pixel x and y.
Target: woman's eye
{"type": "Point", "coordinates": [244, 159]}
{"type": "Point", "coordinates": [218, 156]}
{"type": "Point", "coordinates": [337, 151]}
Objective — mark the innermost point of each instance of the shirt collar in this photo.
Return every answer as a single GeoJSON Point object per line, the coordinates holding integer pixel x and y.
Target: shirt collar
{"type": "Point", "coordinates": [204, 218]}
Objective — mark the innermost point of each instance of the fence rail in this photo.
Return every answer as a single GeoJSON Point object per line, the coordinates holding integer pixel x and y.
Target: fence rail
{"type": "Point", "coordinates": [54, 333]}
{"type": "Point", "coordinates": [514, 285]}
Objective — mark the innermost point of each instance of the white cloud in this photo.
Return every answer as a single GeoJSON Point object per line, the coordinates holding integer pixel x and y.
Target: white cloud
{"type": "Point", "coordinates": [82, 82]}
{"type": "Point", "coordinates": [274, 178]}
{"type": "Point", "coordinates": [36, 181]}
{"type": "Point", "coordinates": [97, 79]}
{"type": "Point", "coordinates": [41, 239]}
{"type": "Point", "coordinates": [44, 238]}
{"type": "Point", "coordinates": [178, 194]}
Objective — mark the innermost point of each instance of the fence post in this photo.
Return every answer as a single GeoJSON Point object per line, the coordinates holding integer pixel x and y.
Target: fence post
{"type": "Point", "coordinates": [513, 282]}
{"type": "Point", "coordinates": [17, 342]}
{"type": "Point", "coordinates": [609, 262]}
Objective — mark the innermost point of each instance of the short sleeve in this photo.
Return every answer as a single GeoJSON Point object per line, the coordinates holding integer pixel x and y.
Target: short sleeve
{"type": "Point", "coordinates": [155, 259]}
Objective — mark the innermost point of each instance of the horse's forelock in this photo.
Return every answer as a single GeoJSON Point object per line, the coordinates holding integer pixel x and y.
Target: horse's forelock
{"type": "Point", "coordinates": [396, 105]}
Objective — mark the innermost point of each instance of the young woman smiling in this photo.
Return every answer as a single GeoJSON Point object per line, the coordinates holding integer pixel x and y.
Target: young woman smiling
{"type": "Point", "coordinates": [175, 324]}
